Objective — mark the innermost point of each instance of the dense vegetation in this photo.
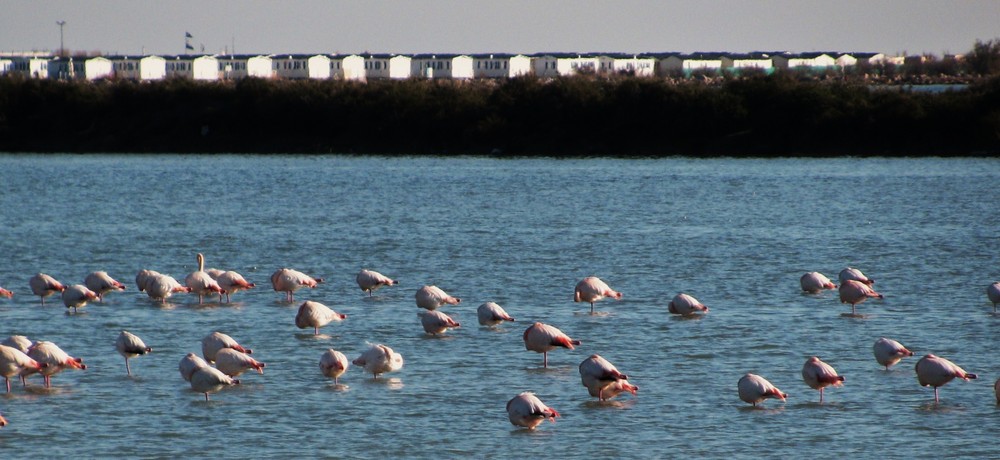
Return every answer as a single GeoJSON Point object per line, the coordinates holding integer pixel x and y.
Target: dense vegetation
{"type": "Point", "coordinates": [775, 115]}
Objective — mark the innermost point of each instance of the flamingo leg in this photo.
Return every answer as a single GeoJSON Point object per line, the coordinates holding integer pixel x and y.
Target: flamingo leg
{"type": "Point", "coordinates": [8, 384]}
{"type": "Point", "coordinates": [48, 384]}
{"type": "Point", "coordinates": [935, 394]}
{"type": "Point", "coordinates": [591, 308]}
{"type": "Point", "coordinates": [206, 396]}
{"type": "Point", "coordinates": [128, 370]}
{"type": "Point", "coordinates": [316, 330]}
{"type": "Point", "coordinates": [821, 396]}
{"type": "Point", "coordinates": [545, 359]}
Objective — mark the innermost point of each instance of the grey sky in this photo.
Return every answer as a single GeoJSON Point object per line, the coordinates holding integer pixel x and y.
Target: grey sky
{"type": "Point", "coordinates": [521, 26]}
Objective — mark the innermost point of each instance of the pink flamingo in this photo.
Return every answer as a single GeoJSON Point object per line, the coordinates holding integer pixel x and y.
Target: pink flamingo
{"type": "Point", "coordinates": [435, 322]}
{"type": "Point", "coordinates": [232, 282]}
{"type": "Point", "coordinates": [591, 289]}
{"type": "Point", "coordinates": [491, 314]}
{"type": "Point", "coordinates": [602, 378]}
{"type": "Point", "coordinates": [379, 359]}
{"type": "Point", "coordinates": [686, 305]}
{"type": "Point", "coordinates": [6, 293]}
{"type": "Point", "coordinates": [814, 282]}
{"type": "Point", "coordinates": [130, 345]}
{"type": "Point", "coordinates": [526, 410]}
{"type": "Point", "coordinates": [542, 338]}
{"type": "Point", "coordinates": [15, 362]}
{"type": "Point", "coordinates": [233, 363]}
{"type": "Point", "coordinates": [22, 344]}
{"type": "Point", "coordinates": [854, 274]}
{"type": "Point", "coordinates": [208, 379]}
{"type": "Point", "coordinates": [77, 296]}
{"type": "Point", "coordinates": [993, 292]}
{"type": "Point", "coordinates": [162, 287]}
{"type": "Point", "coordinates": [190, 363]}
{"type": "Point", "coordinates": [316, 315]}
{"type": "Point", "coordinates": [212, 343]}
{"type": "Point", "coordinates": [755, 389]}
{"type": "Point", "coordinates": [935, 372]}
{"type": "Point", "coordinates": [55, 357]}
{"type": "Point", "coordinates": [102, 283]}
{"type": "Point", "coordinates": [200, 282]}
{"type": "Point", "coordinates": [44, 285]}
{"type": "Point", "coordinates": [855, 292]}
{"type": "Point", "coordinates": [333, 364]}
{"type": "Point", "coordinates": [288, 281]}
{"type": "Point", "coordinates": [370, 281]}
{"type": "Point", "coordinates": [143, 277]}
{"type": "Point", "coordinates": [432, 297]}
{"type": "Point", "coordinates": [819, 375]}
{"type": "Point", "coordinates": [889, 352]}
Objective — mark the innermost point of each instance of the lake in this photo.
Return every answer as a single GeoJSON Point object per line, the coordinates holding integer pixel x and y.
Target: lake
{"type": "Point", "coordinates": [736, 234]}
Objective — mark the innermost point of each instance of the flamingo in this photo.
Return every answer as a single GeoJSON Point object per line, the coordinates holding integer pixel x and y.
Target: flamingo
{"type": "Point", "coordinates": [190, 363]}
{"type": "Point", "coordinates": [102, 283]}
{"type": "Point", "coordinates": [161, 287]}
{"type": "Point", "coordinates": [491, 314]}
{"type": "Point", "coordinates": [855, 292]}
{"type": "Point", "coordinates": [854, 274]}
{"type": "Point", "coordinates": [755, 389]}
{"type": "Point", "coordinates": [379, 359]}
{"type": "Point", "coordinates": [526, 410]}
{"type": "Point", "coordinates": [44, 285]}
{"type": "Point", "coordinates": [935, 371]}
{"type": "Point", "coordinates": [208, 379]}
{"type": "Point", "coordinates": [212, 343]}
{"type": "Point", "coordinates": [200, 282]}
{"type": "Point", "coordinates": [288, 281]}
{"type": "Point", "coordinates": [432, 297]}
{"type": "Point", "coordinates": [6, 293]}
{"type": "Point", "coordinates": [370, 281]}
{"type": "Point", "coordinates": [435, 322]}
{"type": "Point", "coordinates": [819, 375]}
{"type": "Point", "coordinates": [889, 352]}
{"type": "Point", "coordinates": [23, 344]}
{"type": "Point", "coordinates": [231, 282]}
{"type": "Point", "coordinates": [316, 315]}
{"type": "Point", "coordinates": [77, 296]}
{"type": "Point", "coordinates": [602, 378]}
{"type": "Point", "coordinates": [144, 276]}
{"type": "Point", "coordinates": [591, 289]}
{"type": "Point", "coordinates": [333, 364]}
{"type": "Point", "coordinates": [15, 362]}
{"type": "Point", "coordinates": [233, 363]}
{"type": "Point", "coordinates": [685, 305]}
{"type": "Point", "coordinates": [130, 345]}
{"type": "Point", "coordinates": [814, 282]}
{"type": "Point", "coordinates": [55, 357]}
{"type": "Point", "coordinates": [542, 338]}
{"type": "Point", "coordinates": [993, 292]}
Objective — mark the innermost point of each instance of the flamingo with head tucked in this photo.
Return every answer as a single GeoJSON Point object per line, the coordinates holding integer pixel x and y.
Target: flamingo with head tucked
{"type": "Point", "coordinates": [755, 389]}
{"type": "Point", "coordinates": [130, 345]}
{"type": "Point", "coordinates": [855, 292]}
{"type": "Point", "coordinates": [379, 359]}
{"type": "Point", "coordinates": [591, 289]}
{"type": "Point", "coordinates": [370, 281]}
{"type": "Point", "coordinates": [542, 338]}
{"type": "Point", "coordinates": [190, 363]}
{"type": "Point", "coordinates": [435, 322]}
{"type": "Point", "coordinates": [143, 277]}
{"type": "Point", "coordinates": [849, 273]}
{"type": "Point", "coordinates": [77, 296]}
{"type": "Point", "coordinates": [200, 282]}
{"type": "Point", "coordinates": [44, 285]}
{"type": "Point", "coordinates": [814, 282]}
{"type": "Point", "coordinates": [22, 344]}
{"type": "Point", "coordinates": [288, 281]}
{"type": "Point", "coordinates": [208, 379]}
{"type": "Point", "coordinates": [686, 305]}
{"type": "Point", "coordinates": [993, 293]}
{"type": "Point", "coordinates": [56, 359]}
{"type": "Point", "coordinates": [888, 352]}
{"type": "Point", "coordinates": [526, 410]}
{"type": "Point", "coordinates": [15, 362]}
{"type": "Point", "coordinates": [602, 378]}
{"type": "Point", "coordinates": [432, 297]}
{"type": "Point", "coordinates": [162, 287]}
{"type": "Point", "coordinates": [333, 364]}
{"type": "Point", "coordinates": [212, 343]}
{"type": "Point", "coordinates": [819, 375]}
{"type": "Point", "coordinates": [935, 371]}
{"type": "Point", "coordinates": [233, 363]}
{"type": "Point", "coordinates": [232, 282]}
{"type": "Point", "coordinates": [102, 283]}
{"type": "Point", "coordinates": [316, 315]}
{"type": "Point", "coordinates": [490, 314]}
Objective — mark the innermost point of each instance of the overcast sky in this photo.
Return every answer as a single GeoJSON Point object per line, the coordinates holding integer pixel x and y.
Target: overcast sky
{"type": "Point", "coordinates": [517, 26]}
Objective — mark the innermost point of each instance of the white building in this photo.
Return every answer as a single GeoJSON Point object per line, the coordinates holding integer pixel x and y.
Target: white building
{"type": "Point", "coordinates": [349, 67]}
{"type": "Point", "coordinates": [631, 64]}
{"type": "Point", "coordinates": [260, 67]}
{"type": "Point", "coordinates": [454, 66]}
{"type": "Point", "coordinates": [193, 67]}
{"type": "Point", "coordinates": [139, 67]}
{"type": "Point", "coordinates": [98, 67]}
{"type": "Point", "coordinates": [30, 66]}
{"type": "Point", "coordinates": [690, 63]}
{"type": "Point", "coordinates": [392, 66]}
{"type": "Point", "coordinates": [556, 65]}
{"type": "Point", "coordinates": [318, 67]}
{"type": "Point", "coordinates": [500, 65]}
{"type": "Point", "coordinates": [739, 62]}
{"type": "Point", "coordinates": [290, 66]}
{"type": "Point", "coordinates": [65, 68]}
{"type": "Point", "coordinates": [804, 61]}
{"type": "Point", "coordinates": [6, 66]}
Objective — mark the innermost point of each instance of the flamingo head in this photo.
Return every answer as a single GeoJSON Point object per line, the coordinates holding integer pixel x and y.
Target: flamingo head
{"type": "Point", "coordinates": [6, 293]}
{"type": "Point", "coordinates": [76, 363]}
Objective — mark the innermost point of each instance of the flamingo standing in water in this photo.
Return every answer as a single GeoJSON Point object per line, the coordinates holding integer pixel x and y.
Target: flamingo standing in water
{"type": "Point", "coordinates": [144, 277]}
{"type": "Point", "coordinates": [190, 363]}
{"type": "Point", "coordinates": [44, 285]}
{"type": "Point", "coordinates": [435, 322]}
{"type": "Point", "coordinates": [889, 352]}
{"type": "Point", "coordinates": [288, 281]}
{"type": "Point", "coordinates": [542, 338]}
{"type": "Point", "coordinates": [755, 389]}
{"type": "Point", "coordinates": [57, 360]}
{"type": "Point", "coordinates": [526, 410]}
{"type": "Point", "coordinates": [233, 363]}
{"type": "Point", "coordinates": [23, 344]}
{"type": "Point", "coordinates": [208, 379]}
{"type": "Point", "coordinates": [200, 282]}
{"type": "Point", "coordinates": [161, 287]}
{"type": "Point", "coordinates": [316, 315]}
{"type": "Point", "coordinates": [212, 343]}
{"type": "Point", "coordinates": [130, 345]}
{"type": "Point", "coordinates": [686, 305]}
{"type": "Point", "coordinates": [231, 282]}
{"type": "Point", "coordinates": [855, 292]}
{"type": "Point", "coordinates": [370, 281]}
{"type": "Point", "coordinates": [591, 289]}
{"type": "Point", "coordinates": [935, 372]}
{"type": "Point", "coordinates": [849, 273]}
{"type": "Point", "coordinates": [432, 297]}
{"type": "Point", "coordinates": [814, 282]}
{"type": "Point", "coordinates": [77, 296]}
{"type": "Point", "coordinates": [490, 314]}
{"type": "Point", "coordinates": [379, 359]}
{"type": "Point", "coordinates": [819, 375]}
{"type": "Point", "coordinates": [6, 293]}
{"type": "Point", "coordinates": [992, 292]}
{"type": "Point", "coordinates": [602, 378]}
{"type": "Point", "coordinates": [102, 283]}
{"type": "Point", "coordinates": [15, 362]}
{"type": "Point", "coordinates": [333, 364]}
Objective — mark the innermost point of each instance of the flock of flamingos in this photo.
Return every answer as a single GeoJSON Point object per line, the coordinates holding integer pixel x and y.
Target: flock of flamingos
{"type": "Point", "coordinates": [19, 356]}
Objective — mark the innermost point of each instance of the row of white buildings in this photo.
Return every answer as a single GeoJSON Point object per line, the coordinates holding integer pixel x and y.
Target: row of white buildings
{"type": "Point", "coordinates": [396, 66]}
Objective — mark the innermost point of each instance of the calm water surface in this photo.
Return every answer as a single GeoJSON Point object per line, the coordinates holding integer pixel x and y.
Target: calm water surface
{"type": "Point", "coordinates": [736, 234]}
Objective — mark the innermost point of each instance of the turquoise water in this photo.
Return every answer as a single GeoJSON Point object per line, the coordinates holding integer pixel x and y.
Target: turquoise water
{"type": "Point", "coordinates": [736, 234]}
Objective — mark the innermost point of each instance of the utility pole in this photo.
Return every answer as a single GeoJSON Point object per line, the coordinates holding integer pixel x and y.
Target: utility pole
{"type": "Point", "coordinates": [61, 49]}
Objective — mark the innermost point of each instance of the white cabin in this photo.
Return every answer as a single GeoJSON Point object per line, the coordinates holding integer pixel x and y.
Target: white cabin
{"type": "Point", "coordinates": [30, 66]}
{"type": "Point", "coordinates": [627, 64]}
{"type": "Point", "coordinates": [740, 62]}
{"type": "Point", "coordinates": [140, 67]}
{"type": "Point", "coordinates": [318, 67]}
{"type": "Point", "coordinates": [65, 68]}
{"type": "Point", "coordinates": [392, 66]}
{"type": "Point", "coordinates": [260, 67]}
{"type": "Point", "coordinates": [556, 65]}
{"type": "Point", "coordinates": [500, 65]}
{"type": "Point", "coordinates": [806, 61]}
{"type": "Point", "coordinates": [98, 67]}
{"type": "Point", "coordinates": [441, 66]}
{"type": "Point", "coordinates": [290, 66]}
{"type": "Point", "coordinates": [350, 67]}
